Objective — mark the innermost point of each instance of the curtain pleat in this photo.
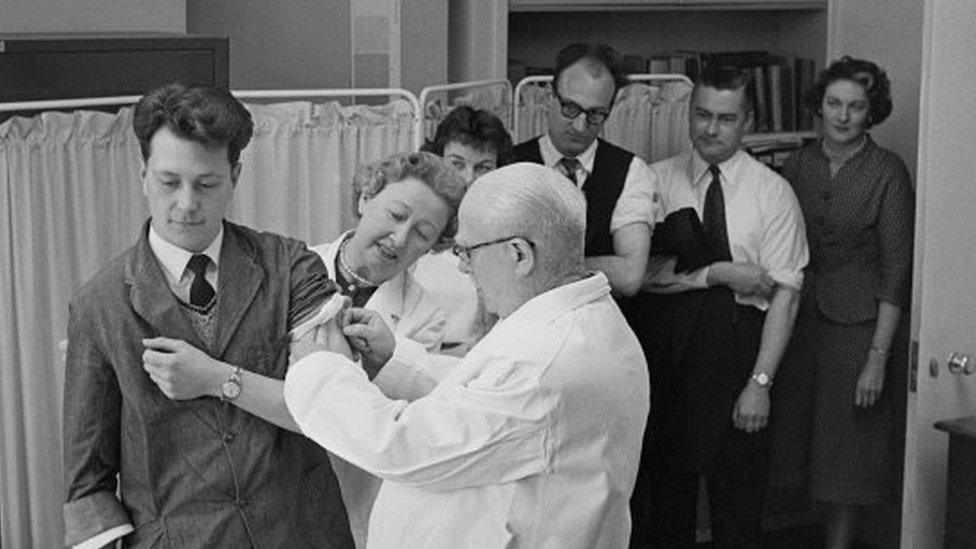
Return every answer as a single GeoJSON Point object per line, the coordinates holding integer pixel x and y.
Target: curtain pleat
{"type": "Point", "coordinates": [71, 199]}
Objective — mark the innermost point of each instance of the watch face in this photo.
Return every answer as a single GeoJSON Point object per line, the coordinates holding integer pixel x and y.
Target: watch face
{"type": "Point", "coordinates": [231, 390]}
{"type": "Point", "coordinates": [761, 379]}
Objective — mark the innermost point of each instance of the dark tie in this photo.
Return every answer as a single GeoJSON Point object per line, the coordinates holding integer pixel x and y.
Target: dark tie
{"type": "Point", "coordinates": [714, 217]}
{"type": "Point", "coordinates": [569, 166]}
{"type": "Point", "coordinates": [201, 292]}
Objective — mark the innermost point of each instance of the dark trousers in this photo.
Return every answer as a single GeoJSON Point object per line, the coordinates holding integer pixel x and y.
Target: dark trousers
{"type": "Point", "coordinates": [701, 349]}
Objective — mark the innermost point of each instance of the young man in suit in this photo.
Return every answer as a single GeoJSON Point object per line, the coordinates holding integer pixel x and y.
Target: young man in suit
{"type": "Point", "coordinates": [201, 472]}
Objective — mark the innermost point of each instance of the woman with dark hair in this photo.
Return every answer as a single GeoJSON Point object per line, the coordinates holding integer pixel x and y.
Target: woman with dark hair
{"type": "Point", "coordinates": [858, 203]}
{"type": "Point", "coordinates": [475, 142]}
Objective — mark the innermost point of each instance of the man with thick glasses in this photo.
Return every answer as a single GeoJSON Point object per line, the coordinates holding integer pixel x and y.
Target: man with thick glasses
{"type": "Point", "coordinates": [534, 437]}
{"type": "Point", "coordinates": [621, 193]}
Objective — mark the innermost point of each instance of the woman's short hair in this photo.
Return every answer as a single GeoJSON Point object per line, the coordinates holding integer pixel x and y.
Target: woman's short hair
{"type": "Point", "coordinates": [427, 167]}
{"type": "Point", "coordinates": [869, 75]}
{"type": "Point", "coordinates": [206, 115]}
{"type": "Point", "coordinates": [475, 128]}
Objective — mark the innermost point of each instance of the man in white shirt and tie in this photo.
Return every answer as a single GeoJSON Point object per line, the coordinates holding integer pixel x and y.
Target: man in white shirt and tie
{"type": "Point", "coordinates": [533, 439]}
{"type": "Point", "coordinates": [722, 293]}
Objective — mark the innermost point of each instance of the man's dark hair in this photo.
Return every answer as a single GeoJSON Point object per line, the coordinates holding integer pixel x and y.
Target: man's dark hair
{"type": "Point", "coordinates": [869, 75]}
{"type": "Point", "coordinates": [727, 77]}
{"type": "Point", "coordinates": [598, 54]}
{"type": "Point", "coordinates": [210, 116]}
{"type": "Point", "coordinates": [475, 128]}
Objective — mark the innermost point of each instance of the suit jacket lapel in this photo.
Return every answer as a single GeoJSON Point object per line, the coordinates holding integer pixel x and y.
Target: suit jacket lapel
{"type": "Point", "coordinates": [238, 282]}
{"type": "Point", "coordinates": [151, 297]}
{"type": "Point", "coordinates": [152, 300]}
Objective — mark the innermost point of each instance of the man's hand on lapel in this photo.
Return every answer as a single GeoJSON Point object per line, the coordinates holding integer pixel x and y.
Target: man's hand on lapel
{"type": "Point", "coordinates": [181, 371]}
{"type": "Point", "coordinates": [370, 336]}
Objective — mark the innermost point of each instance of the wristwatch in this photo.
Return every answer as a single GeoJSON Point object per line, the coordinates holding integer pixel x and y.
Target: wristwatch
{"type": "Point", "coordinates": [231, 388]}
{"type": "Point", "coordinates": [762, 379]}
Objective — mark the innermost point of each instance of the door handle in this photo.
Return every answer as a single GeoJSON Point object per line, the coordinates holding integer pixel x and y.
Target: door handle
{"type": "Point", "coordinates": [961, 364]}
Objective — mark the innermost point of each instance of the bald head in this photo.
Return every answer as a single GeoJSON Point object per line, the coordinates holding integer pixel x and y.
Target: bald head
{"type": "Point", "coordinates": [536, 203]}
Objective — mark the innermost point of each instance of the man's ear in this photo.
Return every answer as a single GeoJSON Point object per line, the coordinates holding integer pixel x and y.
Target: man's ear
{"type": "Point", "coordinates": [524, 256]}
{"type": "Point", "coordinates": [235, 173]}
{"type": "Point", "coordinates": [142, 177]}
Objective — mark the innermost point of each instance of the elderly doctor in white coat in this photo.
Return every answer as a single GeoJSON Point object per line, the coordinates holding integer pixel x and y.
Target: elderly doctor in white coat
{"type": "Point", "coordinates": [533, 439]}
{"type": "Point", "coordinates": [406, 204]}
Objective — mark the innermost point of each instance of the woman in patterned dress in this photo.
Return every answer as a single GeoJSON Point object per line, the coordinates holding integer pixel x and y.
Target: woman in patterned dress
{"type": "Point", "coordinates": [858, 203]}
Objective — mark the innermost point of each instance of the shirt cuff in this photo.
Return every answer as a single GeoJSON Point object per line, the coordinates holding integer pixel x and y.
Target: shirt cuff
{"type": "Point", "coordinates": [404, 377]}
{"type": "Point", "coordinates": [93, 515]}
{"type": "Point", "coordinates": [105, 537]}
{"type": "Point", "coordinates": [791, 279]}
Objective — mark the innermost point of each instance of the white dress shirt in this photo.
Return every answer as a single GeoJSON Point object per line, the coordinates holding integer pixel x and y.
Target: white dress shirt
{"type": "Point", "coordinates": [763, 219]}
{"type": "Point", "coordinates": [639, 200]}
{"type": "Point", "coordinates": [532, 441]}
{"type": "Point", "coordinates": [174, 259]}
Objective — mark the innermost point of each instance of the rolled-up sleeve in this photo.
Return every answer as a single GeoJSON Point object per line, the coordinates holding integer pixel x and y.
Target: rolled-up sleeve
{"type": "Point", "coordinates": [783, 251]}
{"type": "Point", "coordinates": [490, 429]}
{"type": "Point", "coordinates": [92, 415]}
{"type": "Point", "coordinates": [640, 198]}
{"type": "Point", "coordinates": [311, 285]}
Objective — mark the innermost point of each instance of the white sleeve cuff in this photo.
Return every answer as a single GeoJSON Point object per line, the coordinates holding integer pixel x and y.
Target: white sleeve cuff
{"type": "Point", "coordinates": [105, 537]}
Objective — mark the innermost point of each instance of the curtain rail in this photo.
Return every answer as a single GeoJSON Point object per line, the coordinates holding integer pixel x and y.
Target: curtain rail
{"type": "Point", "coordinates": [426, 92]}
{"type": "Point", "coordinates": [56, 104]}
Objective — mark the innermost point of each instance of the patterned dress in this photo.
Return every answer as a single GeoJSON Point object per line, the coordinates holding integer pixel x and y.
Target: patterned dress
{"type": "Point", "coordinates": [860, 231]}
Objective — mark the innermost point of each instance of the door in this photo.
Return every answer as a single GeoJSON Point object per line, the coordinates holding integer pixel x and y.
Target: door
{"type": "Point", "coordinates": [945, 274]}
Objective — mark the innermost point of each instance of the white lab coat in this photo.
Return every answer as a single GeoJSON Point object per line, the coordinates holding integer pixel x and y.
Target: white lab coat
{"type": "Point", "coordinates": [533, 440]}
{"type": "Point", "coordinates": [418, 323]}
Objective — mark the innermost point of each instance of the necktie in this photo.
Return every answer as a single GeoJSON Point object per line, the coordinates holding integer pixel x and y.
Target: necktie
{"type": "Point", "coordinates": [201, 292]}
{"type": "Point", "coordinates": [570, 167]}
{"type": "Point", "coordinates": [714, 217]}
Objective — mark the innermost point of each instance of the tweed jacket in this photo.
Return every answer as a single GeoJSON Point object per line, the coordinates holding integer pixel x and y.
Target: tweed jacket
{"type": "Point", "coordinates": [201, 472]}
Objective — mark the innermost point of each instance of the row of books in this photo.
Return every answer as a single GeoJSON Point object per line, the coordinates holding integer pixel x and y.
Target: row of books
{"type": "Point", "coordinates": [780, 81]}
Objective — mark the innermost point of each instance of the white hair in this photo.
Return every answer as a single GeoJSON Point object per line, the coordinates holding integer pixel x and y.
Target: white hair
{"type": "Point", "coordinates": [536, 203]}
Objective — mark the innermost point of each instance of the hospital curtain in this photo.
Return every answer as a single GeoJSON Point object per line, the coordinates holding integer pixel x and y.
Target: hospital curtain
{"type": "Point", "coordinates": [70, 200]}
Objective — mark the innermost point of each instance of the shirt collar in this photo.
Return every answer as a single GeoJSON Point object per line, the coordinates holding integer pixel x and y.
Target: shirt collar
{"type": "Point", "coordinates": [174, 259]}
{"type": "Point", "coordinates": [698, 168]}
{"type": "Point", "coordinates": [551, 156]}
{"type": "Point", "coordinates": [556, 302]}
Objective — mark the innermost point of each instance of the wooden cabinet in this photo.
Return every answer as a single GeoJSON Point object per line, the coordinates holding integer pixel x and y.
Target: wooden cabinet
{"type": "Point", "coordinates": [39, 67]}
{"type": "Point", "coordinates": [960, 526]}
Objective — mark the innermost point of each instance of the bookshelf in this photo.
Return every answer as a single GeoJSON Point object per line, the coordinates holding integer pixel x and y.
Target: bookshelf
{"type": "Point", "coordinates": [651, 29]}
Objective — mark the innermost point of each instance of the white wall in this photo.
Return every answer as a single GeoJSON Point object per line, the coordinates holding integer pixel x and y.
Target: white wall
{"type": "Point", "coordinates": [423, 43]}
{"type": "Point", "coordinates": [279, 45]}
{"type": "Point", "coordinates": [79, 16]}
{"type": "Point", "coordinates": [888, 32]}
{"type": "Point", "coordinates": [477, 39]}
